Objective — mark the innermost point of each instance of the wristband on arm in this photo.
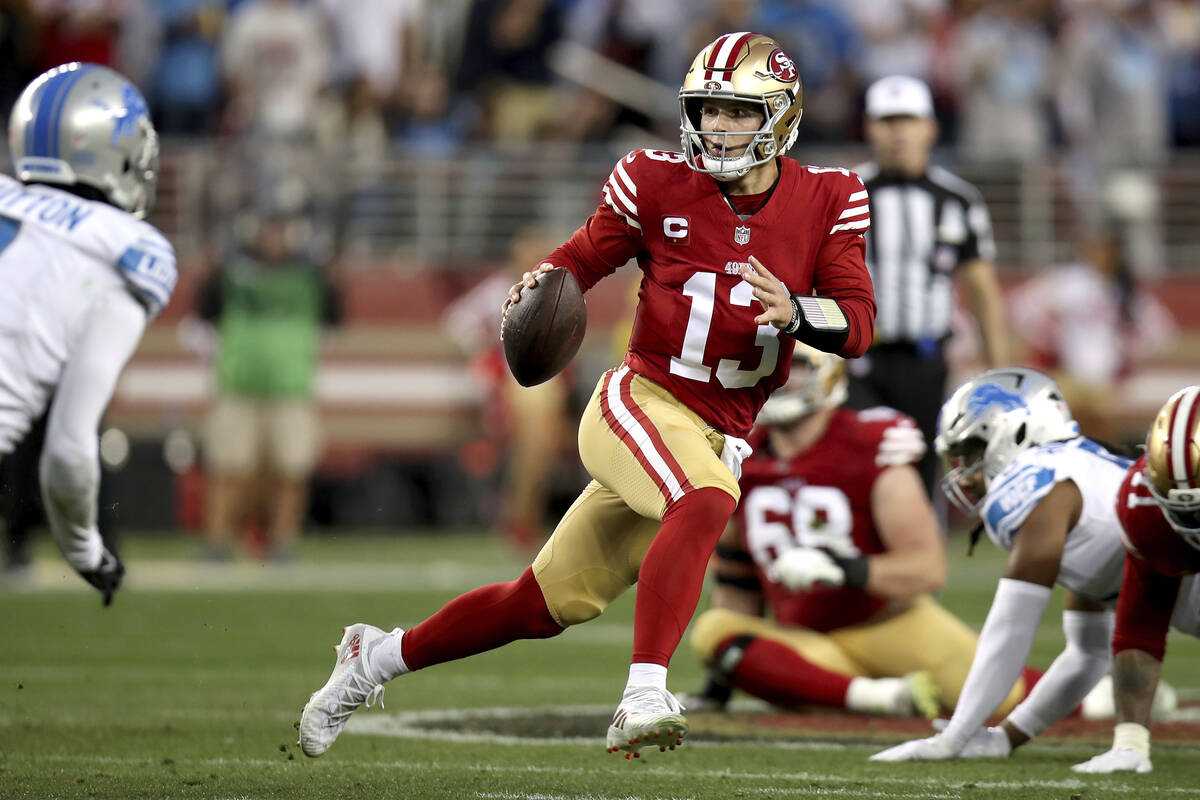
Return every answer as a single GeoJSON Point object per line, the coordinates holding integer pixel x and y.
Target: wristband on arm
{"type": "Point", "coordinates": [857, 570]}
{"type": "Point", "coordinates": [818, 321]}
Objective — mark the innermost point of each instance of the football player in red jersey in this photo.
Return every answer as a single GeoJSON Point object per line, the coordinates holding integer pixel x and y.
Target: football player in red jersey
{"type": "Point", "coordinates": [836, 536]}
{"type": "Point", "coordinates": [1158, 506]}
{"type": "Point", "coordinates": [743, 253]}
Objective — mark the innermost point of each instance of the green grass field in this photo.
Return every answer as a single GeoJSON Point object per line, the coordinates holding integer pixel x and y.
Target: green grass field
{"type": "Point", "coordinates": [188, 687]}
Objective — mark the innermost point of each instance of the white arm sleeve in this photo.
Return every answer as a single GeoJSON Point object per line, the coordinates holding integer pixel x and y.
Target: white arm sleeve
{"type": "Point", "coordinates": [1004, 645]}
{"type": "Point", "coordinates": [69, 467]}
{"type": "Point", "coordinates": [1078, 668]}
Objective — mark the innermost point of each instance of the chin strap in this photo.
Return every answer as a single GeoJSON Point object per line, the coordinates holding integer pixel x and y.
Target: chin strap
{"type": "Point", "coordinates": [727, 170]}
{"type": "Point", "coordinates": [723, 175]}
{"type": "Point", "coordinates": [976, 532]}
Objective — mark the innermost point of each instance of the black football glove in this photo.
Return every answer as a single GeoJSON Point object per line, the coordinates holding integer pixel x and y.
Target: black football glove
{"type": "Point", "coordinates": [107, 576]}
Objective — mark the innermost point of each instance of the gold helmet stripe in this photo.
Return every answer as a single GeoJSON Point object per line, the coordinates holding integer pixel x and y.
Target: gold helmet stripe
{"type": "Point", "coordinates": [1183, 421]}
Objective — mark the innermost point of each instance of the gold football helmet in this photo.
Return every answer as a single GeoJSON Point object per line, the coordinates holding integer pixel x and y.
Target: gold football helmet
{"type": "Point", "coordinates": [817, 380]}
{"type": "Point", "coordinates": [1173, 463]}
{"type": "Point", "coordinates": [750, 68]}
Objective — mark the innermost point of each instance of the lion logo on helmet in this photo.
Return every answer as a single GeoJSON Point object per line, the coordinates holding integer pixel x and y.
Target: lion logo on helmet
{"type": "Point", "coordinates": [987, 395]}
{"type": "Point", "coordinates": [135, 111]}
{"type": "Point", "coordinates": [781, 66]}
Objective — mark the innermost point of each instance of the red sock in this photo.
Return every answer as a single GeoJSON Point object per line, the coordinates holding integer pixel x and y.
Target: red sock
{"type": "Point", "coordinates": [672, 573]}
{"type": "Point", "coordinates": [774, 672]}
{"type": "Point", "coordinates": [480, 620]}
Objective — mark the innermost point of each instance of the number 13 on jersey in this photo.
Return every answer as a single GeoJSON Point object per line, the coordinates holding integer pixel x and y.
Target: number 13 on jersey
{"type": "Point", "coordinates": [702, 289]}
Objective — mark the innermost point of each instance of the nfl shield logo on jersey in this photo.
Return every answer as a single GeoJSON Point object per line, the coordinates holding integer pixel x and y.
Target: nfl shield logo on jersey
{"type": "Point", "coordinates": [741, 235]}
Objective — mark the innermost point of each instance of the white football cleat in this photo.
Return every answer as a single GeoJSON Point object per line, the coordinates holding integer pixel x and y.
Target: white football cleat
{"type": "Point", "coordinates": [647, 717]}
{"type": "Point", "coordinates": [351, 685]}
{"type": "Point", "coordinates": [1118, 759]}
{"type": "Point", "coordinates": [935, 748]}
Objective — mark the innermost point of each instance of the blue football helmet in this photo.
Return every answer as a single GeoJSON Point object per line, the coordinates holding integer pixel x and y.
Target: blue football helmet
{"type": "Point", "coordinates": [84, 124]}
{"type": "Point", "coordinates": [989, 420]}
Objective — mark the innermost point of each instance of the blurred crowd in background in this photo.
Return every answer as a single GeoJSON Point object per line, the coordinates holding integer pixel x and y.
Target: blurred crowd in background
{"type": "Point", "coordinates": [349, 93]}
{"type": "Point", "coordinates": [1012, 78]}
{"type": "Point", "coordinates": [310, 145]}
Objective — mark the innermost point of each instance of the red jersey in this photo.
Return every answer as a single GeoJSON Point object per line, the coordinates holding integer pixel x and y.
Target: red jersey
{"type": "Point", "coordinates": [1156, 560]}
{"type": "Point", "coordinates": [818, 498]}
{"type": "Point", "coordinates": [694, 331]}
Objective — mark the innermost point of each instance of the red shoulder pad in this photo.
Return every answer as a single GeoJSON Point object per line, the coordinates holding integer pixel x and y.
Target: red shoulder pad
{"type": "Point", "coordinates": [893, 437]}
{"type": "Point", "coordinates": [638, 175]}
{"type": "Point", "coordinates": [850, 209]}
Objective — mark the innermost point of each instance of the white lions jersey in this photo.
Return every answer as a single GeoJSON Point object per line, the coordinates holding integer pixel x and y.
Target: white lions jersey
{"type": "Point", "coordinates": [1093, 557]}
{"type": "Point", "coordinates": [59, 255]}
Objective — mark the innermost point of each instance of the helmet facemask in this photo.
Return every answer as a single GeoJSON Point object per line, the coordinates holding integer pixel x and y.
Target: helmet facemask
{"type": "Point", "coordinates": [965, 482]}
{"type": "Point", "coordinates": [1008, 410]}
{"type": "Point", "coordinates": [748, 68]}
{"type": "Point", "coordinates": [817, 381]}
{"type": "Point", "coordinates": [135, 189]}
{"type": "Point", "coordinates": [1181, 508]}
{"type": "Point", "coordinates": [761, 147]}
{"type": "Point", "coordinates": [1173, 463]}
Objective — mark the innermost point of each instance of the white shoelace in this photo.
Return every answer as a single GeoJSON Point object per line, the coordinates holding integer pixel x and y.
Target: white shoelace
{"type": "Point", "coordinates": [653, 699]}
{"type": "Point", "coordinates": [359, 691]}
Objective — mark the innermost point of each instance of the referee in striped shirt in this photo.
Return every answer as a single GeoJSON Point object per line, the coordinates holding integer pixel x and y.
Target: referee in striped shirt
{"type": "Point", "coordinates": [929, 229]}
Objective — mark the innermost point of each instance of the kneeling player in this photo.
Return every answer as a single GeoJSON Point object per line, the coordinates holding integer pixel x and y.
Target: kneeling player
{"type": "Point", "coordinates": [1158, 509]}
{"type": "Point", "coordinates": [1045, 494]}
{"type": "Point", "coordinates": [836, 536]}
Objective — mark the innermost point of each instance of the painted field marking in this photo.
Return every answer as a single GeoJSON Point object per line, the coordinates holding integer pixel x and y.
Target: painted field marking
{"type": "Point", "coordinates": [807, 777]}
{"type": "Point", "coordinates": [415, 725]}
{"type": "Point", "coordinates": [423, 725]}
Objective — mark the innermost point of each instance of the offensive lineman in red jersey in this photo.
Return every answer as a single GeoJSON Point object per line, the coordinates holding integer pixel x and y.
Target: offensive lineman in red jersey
{"type": "Point", "coordinates": [1158, 506]}
{"type": "Point", "coordinates": [836, 536]}
{"type": "Point", "coordinates": [736, 246]}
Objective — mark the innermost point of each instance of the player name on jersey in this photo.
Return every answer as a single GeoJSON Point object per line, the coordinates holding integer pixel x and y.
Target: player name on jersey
{"type": "Point", "coordinates": [57, 209]}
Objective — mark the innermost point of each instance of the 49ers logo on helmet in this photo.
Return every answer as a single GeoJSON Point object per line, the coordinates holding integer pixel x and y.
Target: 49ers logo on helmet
{"type": "Point", "coordinates": [781, 66]}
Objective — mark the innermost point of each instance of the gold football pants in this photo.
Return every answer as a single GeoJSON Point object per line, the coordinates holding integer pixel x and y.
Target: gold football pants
{"type": "Point", "coordinates": [644, 450]}
{"type": "Point", "coordinates": [925, 637]}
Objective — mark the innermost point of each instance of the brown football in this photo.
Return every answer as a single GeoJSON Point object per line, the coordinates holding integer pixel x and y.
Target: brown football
{"type": "Point", "coordinates": [543, 331]}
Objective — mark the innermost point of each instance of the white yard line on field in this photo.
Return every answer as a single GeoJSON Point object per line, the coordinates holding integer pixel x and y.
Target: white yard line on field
{"type": "Point", "coordinates": [1098, 785]}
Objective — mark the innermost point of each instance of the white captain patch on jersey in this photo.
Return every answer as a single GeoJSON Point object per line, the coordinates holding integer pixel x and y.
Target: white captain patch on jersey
{"type": "Point", "coordinates": [1093, 556]}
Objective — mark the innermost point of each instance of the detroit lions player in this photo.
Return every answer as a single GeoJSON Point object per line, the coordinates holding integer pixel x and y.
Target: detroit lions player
{"type": "Point", "coordinates": [83, 275]}
{"type": "Point", "coordinates": [1045, 494]}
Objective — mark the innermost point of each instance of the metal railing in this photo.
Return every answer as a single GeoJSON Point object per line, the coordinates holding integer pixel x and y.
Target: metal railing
{"type": "Point", "coordinates": [457, 211]}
